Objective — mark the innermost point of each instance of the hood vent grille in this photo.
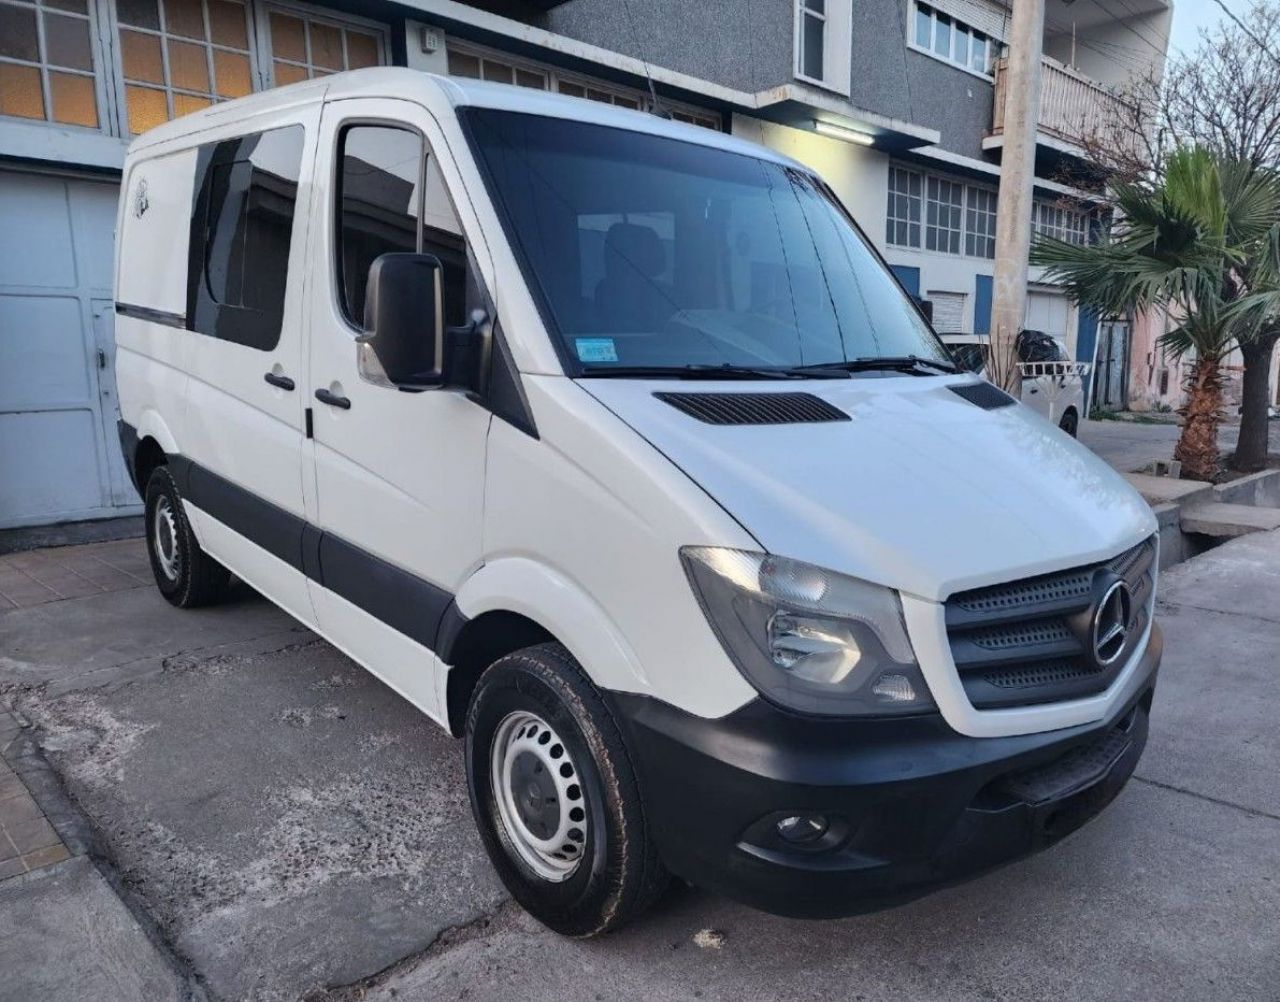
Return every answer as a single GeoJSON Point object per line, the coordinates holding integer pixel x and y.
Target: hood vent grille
{"type": "Point", "coordinates": [984, 395]}
{"type": "Point", "coordinates": [754, 408]}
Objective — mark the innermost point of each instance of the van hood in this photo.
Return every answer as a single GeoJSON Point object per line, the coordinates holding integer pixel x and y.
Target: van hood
{"type": "Point", "coordinates": [920, 490]}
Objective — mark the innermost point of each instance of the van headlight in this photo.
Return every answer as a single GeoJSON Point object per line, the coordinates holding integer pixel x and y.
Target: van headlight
{"type": "Point", "coordinates": [807, 638]}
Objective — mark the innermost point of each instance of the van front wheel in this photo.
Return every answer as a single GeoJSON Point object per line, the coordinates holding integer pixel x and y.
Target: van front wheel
{"type": "Point", "coordinates": [186, 576]}
{"type": "Point", "coordinates": [555, 797]}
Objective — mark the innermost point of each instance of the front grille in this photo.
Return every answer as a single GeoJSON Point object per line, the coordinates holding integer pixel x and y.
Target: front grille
{"type": "Point", "coordinates": [1025, 642]}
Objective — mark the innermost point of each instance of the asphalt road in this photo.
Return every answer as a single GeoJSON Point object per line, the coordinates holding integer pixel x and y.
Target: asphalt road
{"type": "Point", "coordinates": [293, 827]}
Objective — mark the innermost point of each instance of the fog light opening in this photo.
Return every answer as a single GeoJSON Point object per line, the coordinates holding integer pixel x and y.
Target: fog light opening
{"type": "Point", "coordinates": [802, 829]}
{"type": "Point", "coordinates": [894, 688]}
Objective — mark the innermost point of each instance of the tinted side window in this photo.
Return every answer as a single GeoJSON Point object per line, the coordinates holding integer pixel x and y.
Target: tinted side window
{"type": "Point", "coordinates": [382, 209]}
{"type": "Point", "coordinates": [241, 231]}
{"type": "Point", "coordinates": [379, 200]}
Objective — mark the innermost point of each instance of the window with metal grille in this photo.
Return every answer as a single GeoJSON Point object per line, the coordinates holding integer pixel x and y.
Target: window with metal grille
{"type": "Point", "coordinates": [943, 216]}
{"type": "Point", "coordinates": [47, 66]}
{"type": "Point", "coordinates": [179, 56]}
{"type": "Point", "coordinates": [303, 46]}
{"type": "Point", "coordinates": [980, 222]}
{"type": "Point", "coordinates": [476, 63]}
{"type": "Point", "coordinates": [905, 202]}
{"type": "Point", "coordinates": [812, 29]}
{"type": "Point", "coordinates": [944, 37]}
{"type": "Point", "coordinates": [1060, 222]}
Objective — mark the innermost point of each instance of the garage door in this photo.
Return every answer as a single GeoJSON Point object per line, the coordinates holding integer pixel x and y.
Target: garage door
{"type": "Point", "coordinates": [1050, 312]}
{"type": "Point", "coordinates": [59, 451]}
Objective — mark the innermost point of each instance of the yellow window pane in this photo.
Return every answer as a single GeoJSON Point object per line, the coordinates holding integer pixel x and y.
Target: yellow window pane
{"type": "Point", "coordinates": [20, 91]}
{"type": "Point", "coordinates": [463, 65]}
{"type": "Point", "coordinates": [362, 50]}
{"type": "Point", "coordinates": [599, 95]}
{"type": "Point", "coordinates": [227, 24]}
{"type": "Point", "coordinates": [184, 17]}
{"type": "Point", "coordinates": [74, 101]}
{"type": "Point", "coordinates": [185, 104]}
{"type": "Point", "coordinates": [287, 39]}
{"type": "Point", "coordinates": [141, 57]}
{"type": "Point", "coordinates": [326, 46]}
{"type": "Point", "coordinates": [231, 71]}
{"type": "Point", "coordinates": [287, 73]}
{"type": "Point", "coordinates": [188, 66]}
{"type": "Point", "coordinates": [147, 108]}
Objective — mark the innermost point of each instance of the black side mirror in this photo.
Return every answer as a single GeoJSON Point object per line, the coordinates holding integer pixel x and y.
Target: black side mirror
{"type": "Point", "coordinates": [403, 319]}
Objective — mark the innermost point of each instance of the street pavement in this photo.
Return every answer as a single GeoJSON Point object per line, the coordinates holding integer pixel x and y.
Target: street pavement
{"type": "Point", "coordinates": [267, 820]}
{"type": "Point", "coordinates": [1131, 445]}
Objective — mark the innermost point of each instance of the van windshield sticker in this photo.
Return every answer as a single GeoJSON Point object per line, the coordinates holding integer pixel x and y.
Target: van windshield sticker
{"type": "Point", "coordinates": [596, 349]}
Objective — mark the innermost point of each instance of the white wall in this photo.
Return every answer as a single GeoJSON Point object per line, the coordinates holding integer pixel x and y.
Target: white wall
{"type": "Point", "coordinates": [858, 175]}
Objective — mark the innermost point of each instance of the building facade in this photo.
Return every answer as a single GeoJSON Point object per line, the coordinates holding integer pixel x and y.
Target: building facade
{"type": "Point", "coordinates": [897, 102]}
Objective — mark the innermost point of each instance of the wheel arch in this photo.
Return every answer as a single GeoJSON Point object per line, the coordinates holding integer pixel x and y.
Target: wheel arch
{"type": "Point", "coordinates": [516, 602]}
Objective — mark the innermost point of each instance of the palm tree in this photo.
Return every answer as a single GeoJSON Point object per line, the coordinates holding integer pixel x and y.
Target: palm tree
{"type": "Point", "coordinates": [1182, 242]}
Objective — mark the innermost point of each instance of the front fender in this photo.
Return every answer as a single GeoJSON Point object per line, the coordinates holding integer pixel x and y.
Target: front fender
{"type": "Point", "coordinates": [557, 604]}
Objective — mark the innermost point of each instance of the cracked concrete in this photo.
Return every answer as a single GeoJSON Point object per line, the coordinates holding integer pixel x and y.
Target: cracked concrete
{"type": "Point", "coordinates": [294, 828]}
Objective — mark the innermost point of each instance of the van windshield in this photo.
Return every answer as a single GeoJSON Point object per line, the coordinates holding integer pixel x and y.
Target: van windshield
{"type": "Point", "coordinates": [650, 253]}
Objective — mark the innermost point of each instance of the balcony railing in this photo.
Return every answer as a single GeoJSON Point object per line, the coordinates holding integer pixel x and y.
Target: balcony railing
{"type": "Point", "coordinates": [1073, 108]}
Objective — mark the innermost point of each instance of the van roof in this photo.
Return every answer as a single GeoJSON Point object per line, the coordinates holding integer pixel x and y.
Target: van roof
{"type": "Point", "coordinates": [430, 89]}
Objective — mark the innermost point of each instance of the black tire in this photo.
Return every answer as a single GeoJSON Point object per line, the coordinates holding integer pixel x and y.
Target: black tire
{"type": "Point", "coordinates": [186, 576]}
{"type": "Point", "coordinates": [618, 873]}
{"type": "Point", "coordinates": [1070, 423]}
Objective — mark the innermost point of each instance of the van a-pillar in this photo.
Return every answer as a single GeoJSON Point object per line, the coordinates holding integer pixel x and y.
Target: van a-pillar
{"type": "Point", "coordinates": [1017, 173]}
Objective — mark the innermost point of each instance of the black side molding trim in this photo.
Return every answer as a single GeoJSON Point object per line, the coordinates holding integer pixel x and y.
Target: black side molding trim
{"type": "Point", "coordinates": [403, 601]}
{"type": "Point", "coordinates": [406, 603]}
{"type": "Point", "coordinates": [177, 320]}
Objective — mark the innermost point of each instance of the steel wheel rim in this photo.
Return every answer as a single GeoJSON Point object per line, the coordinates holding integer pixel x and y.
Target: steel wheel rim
{"type": "Point", "coordinates": [538, 790]}
{"type": "Point", "coordinates": [165, 538]}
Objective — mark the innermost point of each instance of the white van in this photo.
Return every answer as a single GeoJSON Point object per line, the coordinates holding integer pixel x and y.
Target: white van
{"type": "Point", "coordinates": [611, 444]}
{"type": "Point", "coordinates": [1052, 385]}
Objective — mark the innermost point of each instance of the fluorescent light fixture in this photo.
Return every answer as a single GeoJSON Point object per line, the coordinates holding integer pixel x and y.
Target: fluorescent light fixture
{"type": "Point", "coordinates": [840, 132]}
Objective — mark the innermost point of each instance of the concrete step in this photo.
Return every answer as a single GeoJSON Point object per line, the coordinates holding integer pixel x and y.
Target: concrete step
{"type": "Point", "coordinates": [1228, 520]}
{"type": "Point", "coordinates": [1169, 490]}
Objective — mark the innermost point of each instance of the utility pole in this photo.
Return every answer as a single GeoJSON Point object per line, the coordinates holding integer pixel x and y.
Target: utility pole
{"type": "Point", "coordinates": [1017, 173]}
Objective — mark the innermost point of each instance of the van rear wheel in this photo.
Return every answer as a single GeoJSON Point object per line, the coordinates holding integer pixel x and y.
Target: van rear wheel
{"type": "Point", "coordinates": [555, 796]}
{"type": "Point", "coordinates": [186, 576]}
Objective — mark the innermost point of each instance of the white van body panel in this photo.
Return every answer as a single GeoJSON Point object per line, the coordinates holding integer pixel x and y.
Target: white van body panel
{"type": "Point", "coordinates": [913, 493]}
{"type": "Point", "coordinates": [156, 194]}
{"type": "Point", "coordinates": [583, 528]}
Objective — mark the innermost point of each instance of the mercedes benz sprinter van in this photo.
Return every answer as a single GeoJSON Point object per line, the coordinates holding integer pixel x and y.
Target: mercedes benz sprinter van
{"type": "Point", "coordinates": [612, 445]}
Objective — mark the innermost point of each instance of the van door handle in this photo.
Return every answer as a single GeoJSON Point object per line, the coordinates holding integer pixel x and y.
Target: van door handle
{"type": "Point", "coordinates": [284, 382]}
{"type": "Point", "coordinates": [332, 399]}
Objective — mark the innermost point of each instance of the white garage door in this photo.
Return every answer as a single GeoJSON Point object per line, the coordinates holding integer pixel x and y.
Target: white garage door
{"type": "Point", "coordinates": [59, 450]}
{"type": "Point", "coordinates": [1050, 312]}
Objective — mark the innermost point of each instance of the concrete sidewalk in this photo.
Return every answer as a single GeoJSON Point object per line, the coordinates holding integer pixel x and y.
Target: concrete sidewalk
{"type": "Point", "coordinates": [284, 825]}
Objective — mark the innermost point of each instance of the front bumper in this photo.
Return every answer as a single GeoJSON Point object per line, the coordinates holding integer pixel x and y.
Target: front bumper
{"type": "Point", "coordinates": [912, 804]}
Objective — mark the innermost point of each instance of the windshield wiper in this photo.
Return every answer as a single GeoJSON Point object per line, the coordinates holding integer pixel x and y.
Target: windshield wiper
{"type": "Point", "coordinates": [894, 363]}
{"type": "Point", "coordinates": [696, 372]}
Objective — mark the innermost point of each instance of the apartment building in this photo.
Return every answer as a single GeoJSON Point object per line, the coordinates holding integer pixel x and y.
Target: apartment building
{"type": "Point", "coordinates": [897, 102]}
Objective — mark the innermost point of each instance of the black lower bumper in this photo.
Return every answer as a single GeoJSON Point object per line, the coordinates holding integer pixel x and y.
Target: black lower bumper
{"type": "Point", "coordinates": [910, 805]}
